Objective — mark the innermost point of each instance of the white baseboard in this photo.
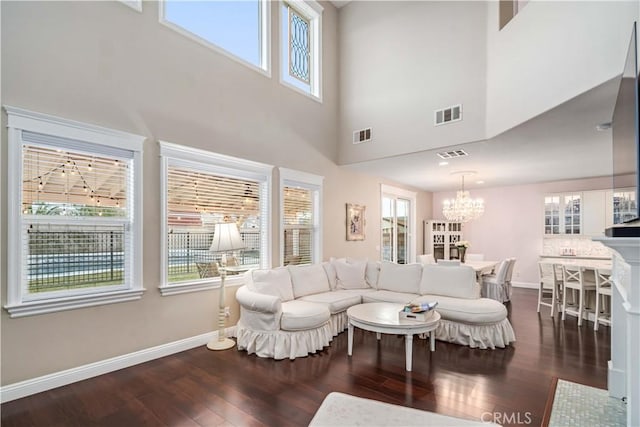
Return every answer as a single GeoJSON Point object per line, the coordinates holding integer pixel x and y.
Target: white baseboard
{"type": "Point", "coordinates": [527, 285]}
{"type": "Point", "coordinates": [57, 379]}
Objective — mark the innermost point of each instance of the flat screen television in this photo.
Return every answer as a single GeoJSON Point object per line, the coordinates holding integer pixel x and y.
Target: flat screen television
{"type": "Point", "coordinates": [626, 142]}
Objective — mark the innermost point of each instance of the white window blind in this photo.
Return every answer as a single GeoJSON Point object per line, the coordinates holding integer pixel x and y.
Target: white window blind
{"type": "Point", "coordinates": [75, 216]}
{"type": "Point", "coordinates": [298, 225]}
{"type": "Point", "coordinates": [301, 199]}
{"type": "Point", "coordinates": [198, 200]}
{"type": "Point", "coordinates": [201, 189]}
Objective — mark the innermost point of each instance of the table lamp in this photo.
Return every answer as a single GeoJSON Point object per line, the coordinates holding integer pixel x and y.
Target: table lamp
{"type": "Point", "coordinates": [226, 238]}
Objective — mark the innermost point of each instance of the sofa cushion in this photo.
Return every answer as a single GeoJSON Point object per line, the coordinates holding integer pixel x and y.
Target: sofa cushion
{"type": "Point", "coordinates": [308, 279]}
{"type": "Point", "coordinates": [273, 281]}
{"type": "Point", "coordinates": [457, 281]}
{"type": "Point", "coordinates": [470, 311]}
{"type": "Point", "coordinates": [389, 296]}
{"type": "Point", "coordinates": [350, 273]}
{"type": "Point", "coordinates": [400, 277]}
{"type": "Point", "coordinates": [302, 315]}
{"type": "Point", "coordinates": [336, 301]}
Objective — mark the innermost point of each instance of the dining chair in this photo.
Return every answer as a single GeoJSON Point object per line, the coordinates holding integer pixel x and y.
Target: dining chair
{"type": "Point", "coordinates": [493, 285]}
{"type": "Point", "coordinates": [603, 290]}
{"type": "Point", "coordinates": [559, 279]}
{"type": "Point", "coordinates": [507, 279]}
{"type": "Point", "coordinates": [474, 257]}
{"type": "Point", "coordinates": [426, 259]}
{"type": "Point", "coordinates": [580, 280]}
{"type": "Point", "coordinates": [549, 288]}
{"type": "Point", "coordinates": [449, 262]}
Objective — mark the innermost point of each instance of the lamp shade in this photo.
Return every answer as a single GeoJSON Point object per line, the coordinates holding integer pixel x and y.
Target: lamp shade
{"type": "Point", "coordinates": [226, 237]}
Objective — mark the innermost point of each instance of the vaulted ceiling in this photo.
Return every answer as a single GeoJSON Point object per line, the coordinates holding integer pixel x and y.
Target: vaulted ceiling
{"type": "Point", "coordinates": [560, 144]}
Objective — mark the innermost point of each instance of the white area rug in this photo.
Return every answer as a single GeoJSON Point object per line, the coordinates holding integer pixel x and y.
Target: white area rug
{"type": "Point", "coordinates": [580, 405]}
{"type": "Point", "coordinates": [339, 409]}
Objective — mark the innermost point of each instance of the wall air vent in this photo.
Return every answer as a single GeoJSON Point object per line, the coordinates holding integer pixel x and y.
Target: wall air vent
{"type": "Point", "coordinates": [452, 154]}
{"type": "Point", "coordinates": [361, 136]}
{"type": "Point", "coordinates": [448, 115]}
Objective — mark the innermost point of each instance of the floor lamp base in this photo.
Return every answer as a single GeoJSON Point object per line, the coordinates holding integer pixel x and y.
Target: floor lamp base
{"type": "Point", "coordinates": [225, 344]}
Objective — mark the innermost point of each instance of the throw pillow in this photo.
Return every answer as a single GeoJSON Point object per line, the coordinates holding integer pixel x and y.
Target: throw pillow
{"type": "Point", "coordinates": [275, 282]}
{"type": "Point", "coordinates": [400, 277]}
{"type": "Point", "coordinates": [308, 279]}
{"type": "Point", "coordinates": [350, 273]}
{"type": "Point", "coordinates": [456, 282]}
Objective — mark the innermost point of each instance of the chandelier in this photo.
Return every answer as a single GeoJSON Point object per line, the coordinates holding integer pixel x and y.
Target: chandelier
{"type": "Point", "coordinates": [463, 208]}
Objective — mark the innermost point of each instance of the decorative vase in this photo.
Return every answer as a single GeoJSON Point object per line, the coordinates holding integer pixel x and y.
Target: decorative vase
{"type": "Point", "coordinates": [461, 252]}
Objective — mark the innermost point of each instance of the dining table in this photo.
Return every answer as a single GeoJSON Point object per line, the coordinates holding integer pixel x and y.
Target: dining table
{"type": "Point", "coordinates": [482, 267]}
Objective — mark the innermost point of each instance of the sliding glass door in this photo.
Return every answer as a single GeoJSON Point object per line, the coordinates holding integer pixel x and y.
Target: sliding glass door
{"type": "Point", "coordinates": [397, 225]}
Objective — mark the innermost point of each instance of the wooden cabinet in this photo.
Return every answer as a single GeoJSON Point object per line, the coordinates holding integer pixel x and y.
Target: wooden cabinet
{"type": "Point", "coordinates": [604, 208]}
{"type": "Point", "coordinates": [563, 213]}
{"type": "Point", "coordinates": [595, 212]}
{"type": "Point", "coordinates": [440, 238]}
{"type": "Point", "coordinates": [624, 205]}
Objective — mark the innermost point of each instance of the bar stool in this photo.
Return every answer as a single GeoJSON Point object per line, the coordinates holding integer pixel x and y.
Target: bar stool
{"type": "Point", "coordinates": [581, 280]}
{"type": "Point", "coordinates": [558, 277]}
{"type": "Point", "coordinates": [603, 290]}
{"type": "Point", "coordinates": [549, 283]}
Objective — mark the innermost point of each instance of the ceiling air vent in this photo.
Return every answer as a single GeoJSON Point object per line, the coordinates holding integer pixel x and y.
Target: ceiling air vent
{"type": "Point", "coordinates": [361, 136]}
{"type": "Point", "coordinates": [452, 154]}
{"type": "Point", "coordinates": [448, 115]}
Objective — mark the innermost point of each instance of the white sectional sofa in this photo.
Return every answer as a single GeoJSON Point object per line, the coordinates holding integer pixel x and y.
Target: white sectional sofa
{"type": "Point", "coordinates": [289, 312]}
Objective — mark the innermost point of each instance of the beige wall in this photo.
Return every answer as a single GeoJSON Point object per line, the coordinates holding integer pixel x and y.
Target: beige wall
{"type": "Point", "coordinates": [400, 61]}
{"type": "Point", "coordinates": [512, 224]}
{"type": "Point", "coordinates": [106, 64]}
{"type": "Point", "coordinates": [571, 47]}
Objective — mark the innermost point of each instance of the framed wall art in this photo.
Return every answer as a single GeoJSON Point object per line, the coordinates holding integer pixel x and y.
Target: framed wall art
{"type": "Point", "coordinates": [355, 221]}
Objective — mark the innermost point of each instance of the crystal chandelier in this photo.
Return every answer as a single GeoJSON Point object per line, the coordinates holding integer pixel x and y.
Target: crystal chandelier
{"type": "Point", "coordinates": [463, 208]}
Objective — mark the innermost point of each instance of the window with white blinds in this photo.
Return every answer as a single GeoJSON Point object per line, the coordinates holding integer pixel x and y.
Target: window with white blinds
{"type": "Point", "coordinates": [301, 196]}
{"type": "Point", "coordinates": [76, 223]}
{"type": "Point", "coordinates": [202, 189]}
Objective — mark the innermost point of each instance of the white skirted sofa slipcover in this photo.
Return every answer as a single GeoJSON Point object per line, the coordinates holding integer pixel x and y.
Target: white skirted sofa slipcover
{"type": "Point", "coordinates": [292, 311]}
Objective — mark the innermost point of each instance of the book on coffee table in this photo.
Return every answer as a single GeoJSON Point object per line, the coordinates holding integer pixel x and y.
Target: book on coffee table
{"type": "Point", "coordinates": [420, 312]}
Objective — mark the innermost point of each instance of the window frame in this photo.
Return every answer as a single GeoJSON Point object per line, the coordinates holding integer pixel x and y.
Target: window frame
{"type": "Point", "coordinates": [311, 11]}
{"type": "Point", "coordinates": [265, 38]}
{"type": "Point", "coordinates": [18, 302]}
{"type": "Point", "coordinates": [314, 183]}
{"type": "Point", "coordinates": [396, 193]}
{"type": "Point", "coordinates": [214, 163]}
{"type": "Point", "coordinates": [133, 4]}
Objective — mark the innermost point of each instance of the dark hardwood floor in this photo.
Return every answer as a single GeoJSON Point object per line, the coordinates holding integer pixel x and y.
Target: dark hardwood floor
{"type": "Point", "coordinates": [205, 388]}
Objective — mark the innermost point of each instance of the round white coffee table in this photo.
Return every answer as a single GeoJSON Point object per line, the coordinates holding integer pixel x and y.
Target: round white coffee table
{"type": "Point", "coordinates": [384, 317]}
